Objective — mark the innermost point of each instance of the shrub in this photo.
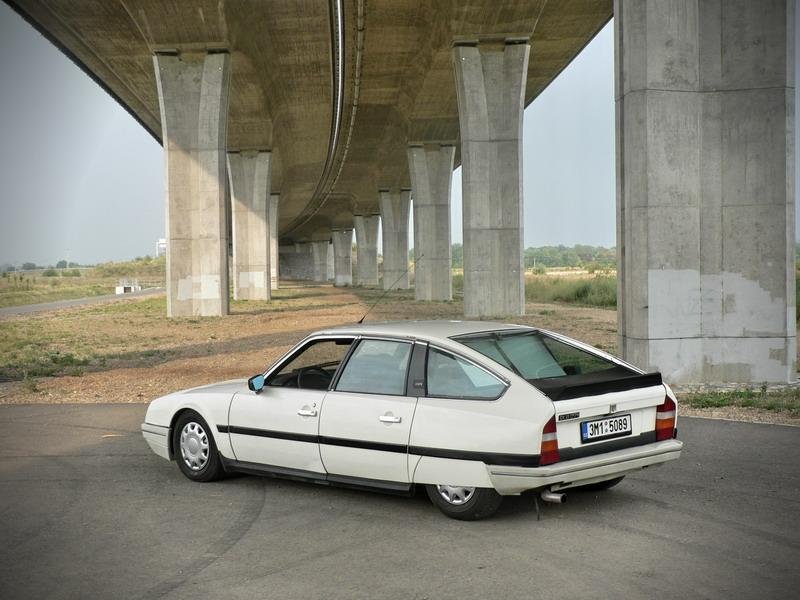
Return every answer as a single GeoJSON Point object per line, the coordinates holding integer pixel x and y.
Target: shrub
{"type": "Point", "coordinates": [50, 273]}
{"type": "Point", "coordinates": [458, 282]}
{"type": "Point", "coordinates": [142, 268]}
{"type": "Point", "coordinates": [592, 268]}
{"type": "Point", "coordinates": [600, 290]}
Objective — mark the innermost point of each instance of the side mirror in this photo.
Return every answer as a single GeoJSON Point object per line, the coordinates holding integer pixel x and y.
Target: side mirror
{"type": "Point", "coordinates": [256, 383]}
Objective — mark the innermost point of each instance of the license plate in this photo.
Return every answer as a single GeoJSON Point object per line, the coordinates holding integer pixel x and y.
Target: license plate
{"type": "Point", "coordinates": [605, 429]}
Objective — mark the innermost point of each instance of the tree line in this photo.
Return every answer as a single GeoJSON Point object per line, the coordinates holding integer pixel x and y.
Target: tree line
{"type": "Point", "coordinates": [580, 255]}
{"type": "Point", "coordinates": [32, 266]}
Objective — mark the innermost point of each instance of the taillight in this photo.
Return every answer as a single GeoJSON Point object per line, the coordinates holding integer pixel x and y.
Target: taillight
{"type": "Point", "coordinates": [549, 452]}
{"type": "Point", "coordinates": [665, 420]}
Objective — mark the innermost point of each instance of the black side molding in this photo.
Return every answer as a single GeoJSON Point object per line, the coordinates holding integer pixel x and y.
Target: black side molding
{"type": "Point", "coordinates": [490, 458]}
{"type": "Point", "coordinates": [268, 433]}
{"type": "Point", "coordinates": [373, 485]}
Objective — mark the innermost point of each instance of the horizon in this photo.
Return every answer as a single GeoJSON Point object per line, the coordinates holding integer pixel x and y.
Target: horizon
{"type": "Point", "coordinates": [74, 264]}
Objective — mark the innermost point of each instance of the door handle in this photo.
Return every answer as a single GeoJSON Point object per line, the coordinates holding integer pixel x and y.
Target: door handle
{"type": "Point", "coordinates": [390, 419]}
{"type": "Point", "coordinates": [306, 412]}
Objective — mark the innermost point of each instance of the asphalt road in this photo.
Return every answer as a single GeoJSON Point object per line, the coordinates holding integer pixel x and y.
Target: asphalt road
{"type": "Point", "coordinates": [87, 511]}
{"type": "Point", "coordinates": [27, 309]}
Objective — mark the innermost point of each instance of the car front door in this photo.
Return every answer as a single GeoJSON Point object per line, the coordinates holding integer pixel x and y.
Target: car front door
{"type": "Point", "coordinates": [366, 419]}
{"type": "Point", "coordinates": [279, 427]}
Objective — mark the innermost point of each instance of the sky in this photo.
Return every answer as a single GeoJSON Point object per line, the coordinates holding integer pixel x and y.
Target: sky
{"type": "Point", "coordinates": [78, 176]}
{"type": "Point", "coordinates": [82, 180]}
{"type": "Point", "coordinates": [568, 155]}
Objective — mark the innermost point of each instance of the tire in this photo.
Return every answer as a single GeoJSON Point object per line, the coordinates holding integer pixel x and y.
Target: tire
{"type": "Point", "coordinates": [465, 503]}
{"type": "Point", "coordinates": [195, 450]}
{"type": "Point", "coordinates": [601, 485]}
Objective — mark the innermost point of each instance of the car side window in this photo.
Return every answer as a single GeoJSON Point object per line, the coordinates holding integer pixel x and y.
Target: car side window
{"type": "Point", "coordinates": [313, 366]}
{"type": "Point", "coordinates": [452, 377]}
{"type": "Point", "coordinates": [376, 367]}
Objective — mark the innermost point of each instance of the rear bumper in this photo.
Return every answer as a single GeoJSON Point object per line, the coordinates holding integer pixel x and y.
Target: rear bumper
{"type": "Point", "coordinates": [582, 471]}
{"type": "Point", "coordinates": [157, 437]}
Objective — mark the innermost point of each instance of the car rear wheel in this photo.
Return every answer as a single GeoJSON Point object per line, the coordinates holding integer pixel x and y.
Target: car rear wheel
{"type": "Point", "coordinates": [464, 503]}
{"type": "Point", "coordinates": [601, 485]}
{"type": "Point", "coordinates": [195, 450]}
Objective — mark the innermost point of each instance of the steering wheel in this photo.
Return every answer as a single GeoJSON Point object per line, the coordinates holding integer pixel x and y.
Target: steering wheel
{"type": "Point", "coordinates": [308, 377]}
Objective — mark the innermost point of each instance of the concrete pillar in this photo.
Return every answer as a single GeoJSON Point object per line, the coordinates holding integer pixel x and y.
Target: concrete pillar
{"type": "Point", "coordinates": [705, 188]}
{"type": "Point", "coordinates": [394, 231]}
{"type": "Point", "coordinates": [490, 87]}
{"type": "Point", "coordinates": [320, 251]}
{"type": "Point", "coordinates": [274, 255]}
{"type": "Point", "coordinates": [342, 257]}
{"type": "Point", "coordinates": [431, 169]}
{"type": "Point", "coordinates": [193, 96]}
{"type": "Point", "coordinates": [331, 272]}
{"type": "Point", "coordinates": [366, 249]}
{"type": "Point", "coordinates": [249, 174]}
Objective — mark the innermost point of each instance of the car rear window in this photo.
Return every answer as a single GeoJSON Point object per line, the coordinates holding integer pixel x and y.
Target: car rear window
{"type": "Point", "coordinates": [452, 377]}
{"type": "Point", "coordinates": [543, 360]}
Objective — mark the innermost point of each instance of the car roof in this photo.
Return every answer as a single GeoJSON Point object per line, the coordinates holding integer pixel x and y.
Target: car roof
{"type": "Point", "coordinates": [425, 330]}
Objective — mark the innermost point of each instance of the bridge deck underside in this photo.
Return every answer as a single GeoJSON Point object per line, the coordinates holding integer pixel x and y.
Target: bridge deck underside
{"type": "Point", "coordinates": [397, 71]}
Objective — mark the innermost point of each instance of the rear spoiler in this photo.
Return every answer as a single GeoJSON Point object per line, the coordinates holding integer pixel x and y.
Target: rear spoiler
{"type": "Point", "coordinates": [558, 389]}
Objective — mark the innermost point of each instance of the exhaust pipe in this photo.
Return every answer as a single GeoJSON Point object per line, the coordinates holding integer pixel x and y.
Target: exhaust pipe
{"type": "Point", "coordinates": [554, 497]}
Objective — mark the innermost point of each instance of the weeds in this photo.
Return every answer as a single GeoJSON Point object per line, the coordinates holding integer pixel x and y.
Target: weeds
{"type": "Point", "coordinates": [782, 400]}
{"type": "Point", "coordinates": [30, 385]}
{"type": "Point", "coordinates": [599, 290]}
{"type": "Point", "coordinates": [596, 290]}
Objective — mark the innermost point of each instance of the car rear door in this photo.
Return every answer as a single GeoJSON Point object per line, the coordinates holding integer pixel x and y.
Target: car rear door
{"type": "Point", "coordinates": [366, 419]}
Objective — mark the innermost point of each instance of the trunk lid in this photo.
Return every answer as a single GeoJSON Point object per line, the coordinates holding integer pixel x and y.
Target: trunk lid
{"type": "Point", "coordinates": [593, 418]}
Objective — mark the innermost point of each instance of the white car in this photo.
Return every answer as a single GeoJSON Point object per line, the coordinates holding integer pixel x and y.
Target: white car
{"type": "Point", "coordinates": [474, 411]}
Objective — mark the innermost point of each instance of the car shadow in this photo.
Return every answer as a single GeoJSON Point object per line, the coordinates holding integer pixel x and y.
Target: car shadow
{"type": "Point", "coordinates": [580, 503]}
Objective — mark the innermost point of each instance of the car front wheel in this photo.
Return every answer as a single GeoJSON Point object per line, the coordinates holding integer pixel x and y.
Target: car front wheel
{"type": "Point", "coordinates": [464, 503]}
{"type": "Point", "coordinates": [195, 450]}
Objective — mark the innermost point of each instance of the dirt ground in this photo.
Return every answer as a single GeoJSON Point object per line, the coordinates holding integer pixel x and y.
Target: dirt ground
{"type": "Point", "coordinates": [135, 353]}
{"type": "Point", "coordinates": [129, 351]}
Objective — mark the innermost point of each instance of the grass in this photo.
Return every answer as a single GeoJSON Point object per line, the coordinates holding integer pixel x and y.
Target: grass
{"type": "Point", "coordinates": [118, 334]}
{"type": "Point", "coordinates": [149, 268]}
{"type": "Point", "coordinates": [37, 294]}
{"type": "Point", "coordinates": [599, 291]}
{"type": "Point", "coordinates": [782, 400]}
{"type": "Point", "coordinates": [596, 290]}
{"type": "Point", "coordinates": [34, 361]}
{"type": "Point", "coordinates": [35, 349]}
{"type": "Point", "coordinates": [51, 285]}
{"type": "Point", "coordinates": [70, 344]}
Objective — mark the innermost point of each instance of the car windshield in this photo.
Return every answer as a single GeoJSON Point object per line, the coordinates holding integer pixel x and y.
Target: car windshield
{"type": "Point", "coordinates": [544, 360]}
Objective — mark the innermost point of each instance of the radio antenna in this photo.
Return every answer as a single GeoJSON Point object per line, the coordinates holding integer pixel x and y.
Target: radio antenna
{"type": "Point", "coordinates": [391, 287]}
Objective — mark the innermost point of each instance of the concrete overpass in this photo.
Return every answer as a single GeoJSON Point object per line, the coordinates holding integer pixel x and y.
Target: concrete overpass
{"type": "Point", "coordinates": [300, 120]}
